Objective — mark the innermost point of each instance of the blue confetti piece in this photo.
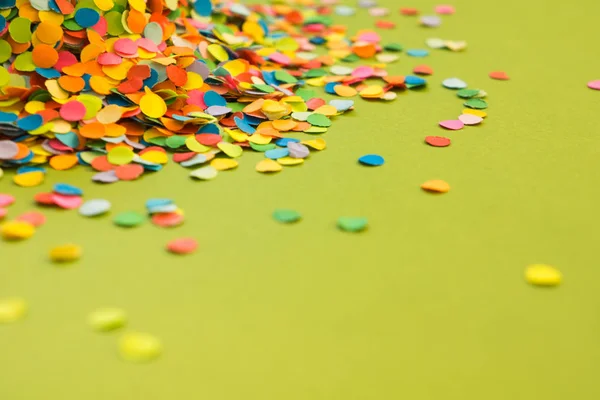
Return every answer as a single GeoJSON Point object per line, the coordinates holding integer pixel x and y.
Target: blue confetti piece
{"type": "Point", "coordinates": [153, 167]}
{"type": "Point", "coordinates": [209, 128]}
{"type": "Point", "coordinates": [283, 142]}
{"type": "Point", "coordinates": [8, 117]}
{"type": "Point", "coordinates": [417, 52]}
{"type": "Point", "coordinates": [87, 17]}
{"type": "Point", "coordinates": [2, 23]}
{"type": "Point", "coordinates": [212, 98]}
{"type": "Point", "coordinates": [317, 40]}
{"type": "Point", "coordinates": [152, 79]}
{"type": "Point", "coordinates": [26, 169]}
{"type": "Point", "coordinates": [68, 139]}
{"type": "Point", "coordinates": [30, 122]}
{"type": "Point", "coordinates": [203, 7]}
{"type": "Point", "coordinates": [6, 4]}
{"type": "Point", "coordinates": [86, 78]}
{"type": "Point", "coordinates": [54, 7]}
{"type": "Point", "coordinates": [414, 80]}
{"type": "Point", "coordinates": [372, 160]}
{"type": "Point", "coordinates": [342, 105]}
{"type": "Point", "coordinates": [48, 73]}
{"type": "Point", "coordinates": [269, 77]}
{"type": "Point", "coordinates": [23, 160]}
{"type": "Point", "coordinates": [274, 154]}
{"type": "Point", "coordinates": [252, 120]}
{"type": "Point", "coordinates": [243, 125]}
{"type": "Point", "coordinates": [154, 203]}
{"type": "Point", "coordinates": [67, 190]}
{"type": "Point", "coordinates": [329, 88]}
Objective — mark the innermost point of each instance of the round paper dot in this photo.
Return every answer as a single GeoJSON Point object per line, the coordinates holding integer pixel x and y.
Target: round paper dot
{"type": "Point", "coordinates": [65, 253]}
{"type": "Point", "coordinates": [139, 347]}
{"type": "Point", "coordinates": [437, 141]}
{"type": "Point", "coordinates": [543, 275]}
{"type": "Point", "coordinates": [372, 160]}
{"type": "Point", "coordinates": [17, 230]}
{"type": "Point", "coordinates": [436, 186]}
{"type": "Point", "coordinates": [286, 216]}
{"type": "Point", "coordinates": [129, 219]}
{"type": "Point", "coordinates": [107, 319]}
{"type": "Point", "coordinates": [352, 224]}
{"type": "Point", "coordinates": [182, 246]}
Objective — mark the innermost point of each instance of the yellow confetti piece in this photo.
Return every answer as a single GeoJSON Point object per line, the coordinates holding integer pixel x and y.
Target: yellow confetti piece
{"type": "Point", "coordinates": [290, 161]}
{"type": "Point", "coordinates": [194, 81]}
{"type": "Point", "coordinates": [257, 138]}
{"type": "Point", "coordinates": [196, 146]}
{"type": "Point", "coordinates": [543, 275]}
{"type": "Point", "coordinates": [237, 135]}
{"type": "Point", "coordinates": [120, 155]}
{"type": "Point", "coordinates": [268, 165]}
{"type": "Point", "coordinates": [157, 157]}
{"type": "Point", "coordinates": [29, 179]}
{"type": "Point", "coordinates": [436, 185]}
{"type": "Point", "coordinates": [317, 144]}
{"type": "Point", "coordinates": [232, 150]}
{"type": "Point", "coordinates": [107, 319]}
{"type": "Point", "coordinates": [472, 111]}
{"type": "Point", "coordinates": [139, 347]}
{"type": "Point", "coordinates": [327, 110]}
{"type": "Point", "coordinates": [109, 114]}
{"type": "Point", "coordinates": [17, 230]}
{"type": "Point", "coordinates": [371, 92]}
{"type": "Point", "coordinates": [12, 309]}
{"type": "Point", "coordinates": [65, 253]}
{"type": "Point", "coordinates": [152, 105]}
{"type": "Point", "coordinates": [223, 164]}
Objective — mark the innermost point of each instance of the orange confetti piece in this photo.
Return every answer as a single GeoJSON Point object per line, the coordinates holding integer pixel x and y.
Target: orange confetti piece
{"type": "Point", "coordinates": [63, 161]}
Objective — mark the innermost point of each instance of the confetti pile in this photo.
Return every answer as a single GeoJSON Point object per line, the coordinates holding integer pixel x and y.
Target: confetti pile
{"type": "Point", "coordinates": [119, 85]}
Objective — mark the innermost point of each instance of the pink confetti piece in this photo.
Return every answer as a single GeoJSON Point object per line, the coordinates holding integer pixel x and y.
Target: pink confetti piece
{"type": "Point", "coordinates": [452, 124]}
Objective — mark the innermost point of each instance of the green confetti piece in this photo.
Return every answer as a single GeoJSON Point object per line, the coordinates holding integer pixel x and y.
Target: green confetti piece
{"type": "Point", "coordinates": [5, 50]}
{"type": "Point", "coordinates": [286, 216]}
{"type": "Point", "coordinates": [285, 77]}
{"type": "Point", "coordinates": [175, 141]}
{"type": "Point", "coordinates": [20, 30]}
{"type": "Point", "coordinates": [352, 224]}
{"type": "Point", "coordinates": [467, 93]}
{"type": "Point", "coordinates": [393, 47]}
{"type": "Point", "coordinates": [113, 21]}
{"type": "Point", "coordinates": [262, 147]}
{"type": "Point", "coordinates": [129, 219]}
{"type": "Point", "coordinates": [477, 104]}
{"type": "Point", "coordinates": [319, 120]}
{"type": "Point", "coordinates": [315, 73]}
{"type": "Point", "coordinates": [264, 88]}
{"type": "Point", "coordinates": [24, 62]}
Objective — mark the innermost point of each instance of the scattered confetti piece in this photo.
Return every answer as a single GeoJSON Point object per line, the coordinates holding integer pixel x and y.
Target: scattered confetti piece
{"type": "Point", "coordinates": [34, 218]}
{"type": "Point", "coordinates": [17, 230]}
{"type": "Point", "coordinates": [436, 186]}
{"type": "Point", "coordinates": [286, 216]}
{"type": "Point", "coordinates": [107, 319]}
{"type": "Point", "coordinates": [444, 9]}
{"type": "Point", "coordinates": [268, 165]}
{"type": "Point", "coordinates": [12, 310]}
{"type": "Point", "coordinates": [139, 347]}
{"type": "Point", "coordinates": [65, 253]}
{"type": "Point", "coordinates": [543, 275]}
{"type": "Point", "coordinates": [437, 141]}
{"type": "Point", "coordinates": [94, 207]}
{"type": "Point", "coordinates": [182, 246]}
{"type": "Point", "coordinates": [591, 84]}
{"type": "Point", "coordinates": [372, 160]}
{"type": "Point", "coordinates": [478, 104]}
{"type": "Point", "coordinates": [6, 200]}
{"type": "Point", "coordinates": [129, 219]}
{"type": "Point", "coordinates": [454, 83]}
{"type": "Point", "coordinates": [352, 224]}
{"type": "Point", "coordinates": [452, 124]}
{"type": "Point", "coordinates": [470, 119]}
{"type": "Point", "coordinates": [423, 70]}
{"type": "Point", "coordinates": [499, 75]}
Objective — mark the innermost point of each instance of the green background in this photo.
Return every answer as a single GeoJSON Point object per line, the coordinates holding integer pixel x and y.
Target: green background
{"type": "Point", "coordinates": [429, 303]}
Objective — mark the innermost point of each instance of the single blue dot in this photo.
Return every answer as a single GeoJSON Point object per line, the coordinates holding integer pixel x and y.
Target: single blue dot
{"type": "Point", "coordinates": [372, 160]}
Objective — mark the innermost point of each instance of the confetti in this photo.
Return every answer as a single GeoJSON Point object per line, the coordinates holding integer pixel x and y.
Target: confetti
{"type": "Point", "coordinates": [107, 319]}
{"type": "Point", "coordinates": [436, 186]}
{"type": "Point", "coordinates": [268, 165]}
{"type": "Point", "coordinates": [543, 275]}
{"type": "Point", "coordinates": [139, 347]}
{"type": "Point", "coordinates": [12, 310]}
{"type": "Point", "coordinates": [499, 75]}
{"type": "Point", "coordinates": [6, 200]}
{"type": "Point", "coordinates": [454, 83]}
{"type": "Point", "coordinates": [470, 119]}
{"type": "Point", "coordinates": [591, 84]}
{"type": "Point", "coordinates": [437, 141]}
{"type": "Point", "coordinates": [444, 9]}
{"type": "Point", "coordinates": [286, 216]}
{"type": "Point", "coordinates": [65, 253]}
{"type": "Point", "coordinates": [17, 230]}
{"type": "Point", "coordinates": [182, 246]}
{"type": "Point", "coordinates": [453, 124]}
{"type": "Point", "coordinates": [352, 224]}
{"type": "Point", "coordinates": [478, 104]}
{"type": "Point", "coordinates": [128, 219]}
{"type": "Point", "coordinates": [372, 160]}
{"type": "Point", "coordinates": [423, 70]}
{"type": "Point", "coordinates": [34, 218]}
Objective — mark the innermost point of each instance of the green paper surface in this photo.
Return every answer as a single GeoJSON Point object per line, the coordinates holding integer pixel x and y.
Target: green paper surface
{"type": "Point", "coordinates": [429, 302]}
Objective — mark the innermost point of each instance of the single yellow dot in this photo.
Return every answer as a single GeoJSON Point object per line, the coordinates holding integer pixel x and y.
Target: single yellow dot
{"type": "Point", "coordinates": [12, 309]}
{"type": "Point", "coordinates": [107, 319]}
{"type": "Point", "coordinates": [139, 347]}
{"type": "Point", "coordinates": [543, 275]}
{"type": "Point", "coordinates": [17, 230]}
{"type": "Point", "coordinates": [65, 253]}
